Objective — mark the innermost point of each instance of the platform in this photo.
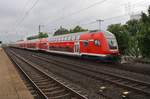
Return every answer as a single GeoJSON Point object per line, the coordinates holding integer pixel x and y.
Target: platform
{"type": "Point", "coordinates": [11, 85]}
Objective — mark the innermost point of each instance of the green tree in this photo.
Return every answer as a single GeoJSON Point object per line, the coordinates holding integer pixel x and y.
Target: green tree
{"type": "Point", "coordinates": [32, 37]}
{"type": "Point", "coordinates": [132, 27]}
{"type": "Point", "coordinates": [77, 29]}
{"type": "Point", "coordinates": [134, 37]}
{"type": "Point", "coordinates": [127, 36]}
{"type": "Point", "coordinates": [133, 47]}
{"type": "Point", "coordinates": [144, 36]}
{"type": "Point", "coordinates": [42, 35]}
{"type": "Point", "coordinates": [61, 31]}
{"type": "Point", "coordinates": [121, 35]}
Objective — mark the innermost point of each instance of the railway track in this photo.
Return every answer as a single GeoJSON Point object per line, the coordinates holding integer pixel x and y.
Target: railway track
{"type": "Point", "coordinates": [46, 87]}
{"type": "Point", "coordinates": [125, 82]}
{"type": "Point", "coordinates": [129, 83]}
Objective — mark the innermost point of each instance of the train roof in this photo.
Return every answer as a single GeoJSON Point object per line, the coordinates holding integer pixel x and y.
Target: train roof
{"type": "Point", "coordinates": [78, 33]}
{"type": "Point", "coordinates": [106, 33]}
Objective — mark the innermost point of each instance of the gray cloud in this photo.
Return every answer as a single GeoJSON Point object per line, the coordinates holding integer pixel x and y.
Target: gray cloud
{"type": "Point", "coordinates": [47, 12]}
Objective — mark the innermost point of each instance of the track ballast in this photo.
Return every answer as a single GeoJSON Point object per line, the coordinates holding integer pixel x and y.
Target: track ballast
{"type": "Point", "coordinates": [45, 86]}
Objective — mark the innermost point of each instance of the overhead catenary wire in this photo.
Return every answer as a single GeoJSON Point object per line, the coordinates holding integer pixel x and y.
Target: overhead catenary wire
{"type": "Point", "coordinates": [27, 13]}
{"type": "Point", "coordinates": [94, 21]}
{"type": "Point", "coordinates": [110, 18]}
{"type": "Point", "coordinates": [61, 18]}
{"type": "Point", "coordinates": [64, 17]}
{"type": "Point", "coordinates": [22, 9]}
{"type": "Point", "coordinates": [18, 18]}
{"type": "Point", "coordinates": [77, 12]}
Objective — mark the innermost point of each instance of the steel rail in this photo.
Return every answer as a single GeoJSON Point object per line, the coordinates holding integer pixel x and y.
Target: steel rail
{"type": "Point", "coordinates": [43, 96]}
{"type": "Point", "coordinates": [68, 88]}
{"type": "Point", "coordinates": [101, 72]}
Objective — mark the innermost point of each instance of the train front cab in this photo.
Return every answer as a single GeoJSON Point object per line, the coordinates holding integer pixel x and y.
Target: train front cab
{"type": "Point", "coordinates": [96, 46]}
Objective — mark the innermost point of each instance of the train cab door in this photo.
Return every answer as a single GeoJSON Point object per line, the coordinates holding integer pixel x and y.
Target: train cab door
{"type": "Point", "coordinates": [77, 47]}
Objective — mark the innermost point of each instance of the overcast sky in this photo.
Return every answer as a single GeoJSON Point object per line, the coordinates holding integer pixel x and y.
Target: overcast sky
{"type": "Point", "coordinates": [20, 18]}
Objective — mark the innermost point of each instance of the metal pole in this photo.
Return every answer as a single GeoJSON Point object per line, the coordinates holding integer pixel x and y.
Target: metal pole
{"type": "Point", "coordinates": [40, 28]}
{"type": "Point", "coordinates": [100, 22]}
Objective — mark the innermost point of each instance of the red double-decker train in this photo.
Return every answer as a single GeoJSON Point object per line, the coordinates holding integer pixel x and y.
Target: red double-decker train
{"type": "Point", "coordinates": [98, 45]}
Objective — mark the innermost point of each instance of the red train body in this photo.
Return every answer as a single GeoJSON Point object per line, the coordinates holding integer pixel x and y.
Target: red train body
{"type": "Point", "coordinates": [97, 44]}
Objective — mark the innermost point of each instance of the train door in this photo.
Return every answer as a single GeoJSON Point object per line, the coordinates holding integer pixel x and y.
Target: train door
{"type": "Point", "coordinates": [77, 47]}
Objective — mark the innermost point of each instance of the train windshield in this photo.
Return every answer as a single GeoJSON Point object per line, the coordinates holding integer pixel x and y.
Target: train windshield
{"type": "Point", "coordinates": [111, 40]}
{"type": "Point", "coordinates": [112, 43]}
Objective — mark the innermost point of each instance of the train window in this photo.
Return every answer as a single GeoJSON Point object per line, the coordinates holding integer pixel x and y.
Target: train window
{"type": "Point", "coordinates": [96, 42]}
{"type": "Point", "coordinates": [85, 43]}
{"type": "Point", "coordinates": [58, 39]}
{"type": "Point", "coordinates": [78, 37]}
{"type": "Point", "coordinates": [68, 38]}
{"type": "Point", "coordinates": [73, 37]}
{"type": "Point", "coordinates": [64, 38]}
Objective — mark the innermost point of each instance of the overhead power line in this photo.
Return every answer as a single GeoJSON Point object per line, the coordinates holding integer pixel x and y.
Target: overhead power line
{"type": "Point", "coordinates": [106, 19]}
{"type": "Point", "coordinates": [66, 16]}
{"type": "Point", "coordinates": [77, 12]}
{"type": "Point", "coordinates": [18, 18]}
{"type": "Point", "coordinates": [27, 13]}
{"type": "Point", "coordinates": [22, 9]}
{"type": "Point", "coordinates": [99, 2]}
